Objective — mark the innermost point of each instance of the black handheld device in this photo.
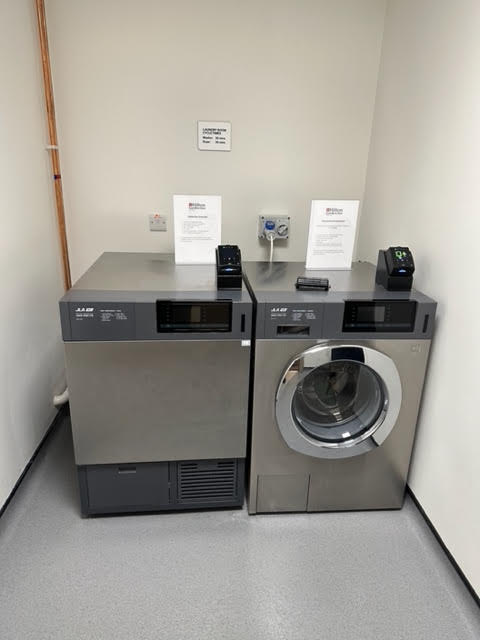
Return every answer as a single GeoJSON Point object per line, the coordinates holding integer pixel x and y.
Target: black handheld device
{"type": "Point", "coordinates": [395, 268]}
{"type": "Point", "coordinates": [229, 266]}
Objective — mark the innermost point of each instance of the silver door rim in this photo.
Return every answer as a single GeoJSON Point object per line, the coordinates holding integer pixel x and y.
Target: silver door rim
{"type": "Point", "coordinates": [318, 356]}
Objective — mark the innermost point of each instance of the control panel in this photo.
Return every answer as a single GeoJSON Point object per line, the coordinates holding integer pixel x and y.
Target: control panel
{"type": "Point", "coordinates": [160, 319]}
{"type": "Point", "coordinates": [346, 319]}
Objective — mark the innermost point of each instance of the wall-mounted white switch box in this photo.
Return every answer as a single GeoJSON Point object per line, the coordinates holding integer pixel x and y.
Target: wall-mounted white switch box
{"type": "Point", "coordinates": [272, 225]}
{"type": "Point", "coordinates": [157, 222]}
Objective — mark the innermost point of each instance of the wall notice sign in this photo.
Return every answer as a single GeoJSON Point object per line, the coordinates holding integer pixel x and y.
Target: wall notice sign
{"type": "Point", "coordinates": [214, 136]}
{"type": "Point", "coordinates": [332, 233]}
{"type": "Point", "coordinates": [198, 226]}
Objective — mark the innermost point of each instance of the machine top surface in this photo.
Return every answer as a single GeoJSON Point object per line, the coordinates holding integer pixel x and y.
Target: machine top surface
{"type": "Point", "coordinates": [137, 274]}
{"type": "Point", "coordinates": [115, 271]}
{"type": "Point", "coordinates": [276, 281]}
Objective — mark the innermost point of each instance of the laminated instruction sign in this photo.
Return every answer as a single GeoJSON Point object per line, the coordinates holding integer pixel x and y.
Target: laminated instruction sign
{"type": "Point", "coordinates": [214, 136]}
{"type": "Point", "coordinates": [198, 227]}
{"type": "Point", "coordinates": [331, 235]}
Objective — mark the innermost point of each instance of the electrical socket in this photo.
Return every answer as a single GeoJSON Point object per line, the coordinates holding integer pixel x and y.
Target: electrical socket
{"type": "Point", "coordinates": [279, 226]}
{"type": "Point", "coordinates": [157, 222]}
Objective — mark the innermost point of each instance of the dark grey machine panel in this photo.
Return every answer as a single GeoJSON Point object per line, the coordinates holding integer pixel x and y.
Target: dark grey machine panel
{"type": "Point", "coordinates": [161, 486]}
{"type": "Point", "coordinates": [103, 320]}
{"type": "Point", "coordinates": [326, 320]}
{"type": "Point", "coordinates": [283, 313]}
{"type": "Point", "coordinates": [422, 327]}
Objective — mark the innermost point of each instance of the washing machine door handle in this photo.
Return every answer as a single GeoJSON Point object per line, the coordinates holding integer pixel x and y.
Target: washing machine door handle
{"type": "Point", "coordinates": [348, 353]}
{"type": "Point", "coordinates": [314, 357]}
{"type": "Point", "coordinates": [375, 364]}
{"type": "Point", "coordinates": [300, 366]}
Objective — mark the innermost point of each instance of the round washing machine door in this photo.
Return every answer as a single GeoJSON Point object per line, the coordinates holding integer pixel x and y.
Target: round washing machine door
{"type": "Point", "coordinates": [338, 401]}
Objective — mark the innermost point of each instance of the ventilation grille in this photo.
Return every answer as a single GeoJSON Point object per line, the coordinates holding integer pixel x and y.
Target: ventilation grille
{"type": "Point", "coordinates": [207, 481]}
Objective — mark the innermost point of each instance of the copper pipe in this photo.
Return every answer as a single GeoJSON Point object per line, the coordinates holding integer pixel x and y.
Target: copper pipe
{"type": "Point", "coordinates": [53, 144]}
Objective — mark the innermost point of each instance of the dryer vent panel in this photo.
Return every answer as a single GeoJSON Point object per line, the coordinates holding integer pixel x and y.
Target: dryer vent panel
{"type": "Point", "coordinates": [209, 482]}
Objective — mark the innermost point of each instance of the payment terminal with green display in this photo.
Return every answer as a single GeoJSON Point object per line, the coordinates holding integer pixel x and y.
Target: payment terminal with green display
{"type": "Point", "coordinates": [395, 269]}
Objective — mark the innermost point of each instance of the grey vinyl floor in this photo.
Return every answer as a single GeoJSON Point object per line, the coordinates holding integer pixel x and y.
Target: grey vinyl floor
{"type": "Point", "coordinates": [218, 575]}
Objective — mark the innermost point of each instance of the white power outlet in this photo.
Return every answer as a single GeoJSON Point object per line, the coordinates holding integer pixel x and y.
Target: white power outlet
{"type": "Point", "coordinates": [157, 222]}
{"type": "Point", "coordinates": [279, 226]}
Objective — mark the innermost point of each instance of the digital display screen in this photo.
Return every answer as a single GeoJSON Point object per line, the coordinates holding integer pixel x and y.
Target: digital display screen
{"type": "Point", "coordinates": [175, 316]}
{"type": "Point", "coordinates": [371, 314]}
{"type": "Point", "coordinates": [379, 316]}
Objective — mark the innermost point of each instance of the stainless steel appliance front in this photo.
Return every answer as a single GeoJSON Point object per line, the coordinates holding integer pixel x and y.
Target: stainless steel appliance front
{"type": "Point", "coordinates": [159, 400]}
{"type": "Point", "coordinates": [291, 471]}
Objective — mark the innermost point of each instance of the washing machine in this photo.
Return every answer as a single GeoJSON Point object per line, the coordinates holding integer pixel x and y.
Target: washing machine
{"type": "Point", "coordinates": [158, 364]}
{"type": "Point", "coordinates": [336, 389]}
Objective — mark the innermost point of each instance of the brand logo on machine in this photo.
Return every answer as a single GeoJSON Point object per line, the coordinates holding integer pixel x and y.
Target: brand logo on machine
{"type": "Point", "coordinates": [84, 310]}
{"type": "Point", "coordinates": [195, 206]}
{"type": "Point", "coordinates": [278, 309]}
{"type": "Point", "coordinates": [333, 211]}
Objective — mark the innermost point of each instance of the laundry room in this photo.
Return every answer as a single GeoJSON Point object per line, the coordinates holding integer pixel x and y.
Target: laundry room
{"type": "Point", "coordinates": [238, 372]}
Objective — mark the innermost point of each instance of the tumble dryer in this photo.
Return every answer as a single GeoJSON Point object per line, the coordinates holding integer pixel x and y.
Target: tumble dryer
{"type": "Point", "coordinates": [338, 378]}
{"type": "Point", "coordinates": [158, 365]}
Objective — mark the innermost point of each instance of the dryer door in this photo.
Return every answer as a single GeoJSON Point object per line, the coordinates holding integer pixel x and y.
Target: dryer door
{"type": "Point", "coordinates": [338, 401]}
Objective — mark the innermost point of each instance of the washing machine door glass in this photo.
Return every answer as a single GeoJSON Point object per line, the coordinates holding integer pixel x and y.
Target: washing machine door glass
{"type": "Point", "coordinates": [338, 401]}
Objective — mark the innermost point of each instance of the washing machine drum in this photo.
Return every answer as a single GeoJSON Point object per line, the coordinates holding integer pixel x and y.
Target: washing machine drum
{"type": "Point", "coordinates": [328, 406]}
{"type": "Point", "coordinates": [338, 401]}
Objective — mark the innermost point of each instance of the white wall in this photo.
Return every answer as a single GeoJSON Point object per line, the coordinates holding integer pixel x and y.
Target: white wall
{"type": "Point", "coordinates": [31, 360]}
{"type": "Point", "coordinates": [296, 79]}
{"type": "Point", "coordinates": [423, 190]}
